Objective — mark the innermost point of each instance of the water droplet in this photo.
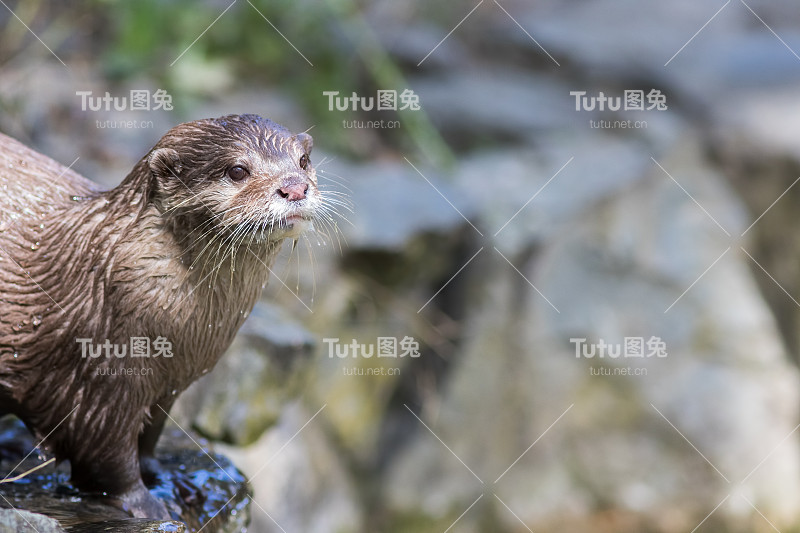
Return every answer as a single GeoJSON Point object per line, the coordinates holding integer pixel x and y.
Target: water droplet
{"type": "Point", "coordinates": [174, 392]}
{"type": "Point", "coordinates": [37, 320]}
{"type": "Point", "coordinates": [17, 327]}
{"type": "Point", "coordinates": [16, 355]}
{"type": "Point", "coordinates": [35, 246]}
{"type": "Point", "coordinates": [75, 198]}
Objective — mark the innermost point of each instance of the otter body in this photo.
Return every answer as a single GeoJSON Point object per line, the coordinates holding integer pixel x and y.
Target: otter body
{"type": "Point", "coordinates": [177, 254]}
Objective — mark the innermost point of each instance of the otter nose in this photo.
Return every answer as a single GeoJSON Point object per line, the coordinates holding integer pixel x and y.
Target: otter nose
{"type": "Point", "coordinates": [293, 192]}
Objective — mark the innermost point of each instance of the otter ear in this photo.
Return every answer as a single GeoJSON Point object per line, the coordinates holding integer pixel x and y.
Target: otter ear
{"type": "Point", "coordinates": [164, 162]}
{"type": "Point", "coordinates": [306, 140]}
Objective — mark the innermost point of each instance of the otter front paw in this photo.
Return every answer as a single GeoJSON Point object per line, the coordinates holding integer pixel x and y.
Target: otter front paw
{"type": "Point", "coordinates": [141, 504]}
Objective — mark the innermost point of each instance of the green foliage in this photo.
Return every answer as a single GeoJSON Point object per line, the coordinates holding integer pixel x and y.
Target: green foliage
{"type": "Point", "coordinates": [145, 37]}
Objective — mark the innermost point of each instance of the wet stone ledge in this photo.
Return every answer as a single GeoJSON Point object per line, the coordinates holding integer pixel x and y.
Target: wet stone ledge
{"type": "Point", "coordinates": [44, 501]}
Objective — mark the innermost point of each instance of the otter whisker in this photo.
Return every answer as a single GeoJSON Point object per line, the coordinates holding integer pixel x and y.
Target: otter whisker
{"type": "Point", "coordinates": [211, 221]}
{"type": "Point", "coordinates": [335, 181]}
{"type": "Point", "coordinates": [313, 267]}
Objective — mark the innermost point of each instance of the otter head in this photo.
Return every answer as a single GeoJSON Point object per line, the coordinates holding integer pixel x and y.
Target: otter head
{"type": "Point", "coordinates": [242, 176]}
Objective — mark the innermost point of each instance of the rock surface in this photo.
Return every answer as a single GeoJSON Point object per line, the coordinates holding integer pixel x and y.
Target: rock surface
{"type": "Point", "coordinates": [12, 520]}
{"type": "Point", "coordinates": [47, 495]}
{"type": "Point", "coordinates": [298, 477]}
{"type": "Point", "coordinates": [610, 276]}
{"type": "Point", "coordinates": [553, 225]}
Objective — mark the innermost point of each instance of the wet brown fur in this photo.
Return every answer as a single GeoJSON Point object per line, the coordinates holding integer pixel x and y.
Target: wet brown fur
{"type": "Point", "coordinates": [177, 250]}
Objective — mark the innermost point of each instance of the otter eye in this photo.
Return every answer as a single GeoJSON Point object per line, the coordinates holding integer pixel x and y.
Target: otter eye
{"type": "Point", "coordinates": [237, 173]}
{"type": "Point", "coordinates": [304, 161]}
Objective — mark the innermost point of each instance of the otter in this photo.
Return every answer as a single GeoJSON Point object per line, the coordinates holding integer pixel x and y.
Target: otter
{"type": "Point", "coordinates": [174, 258]}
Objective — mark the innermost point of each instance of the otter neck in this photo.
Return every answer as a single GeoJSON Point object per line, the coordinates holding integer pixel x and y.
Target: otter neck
{"type": "Point", "coordinates": [201, 287]}
{"type": "Point", "coordinates": [135, 186]}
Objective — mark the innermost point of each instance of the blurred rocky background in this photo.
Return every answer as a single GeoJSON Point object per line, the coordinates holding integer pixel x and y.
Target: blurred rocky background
{"type": "Point", "coordinates": [494, 226]}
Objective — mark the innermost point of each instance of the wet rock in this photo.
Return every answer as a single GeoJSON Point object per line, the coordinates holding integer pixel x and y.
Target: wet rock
{"type": "Point", "coordinates": [129, 526]}
{"type": "Point", "coordinates": [47, 491]}
{"type": "Point", "coordinates": [12, 520]}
